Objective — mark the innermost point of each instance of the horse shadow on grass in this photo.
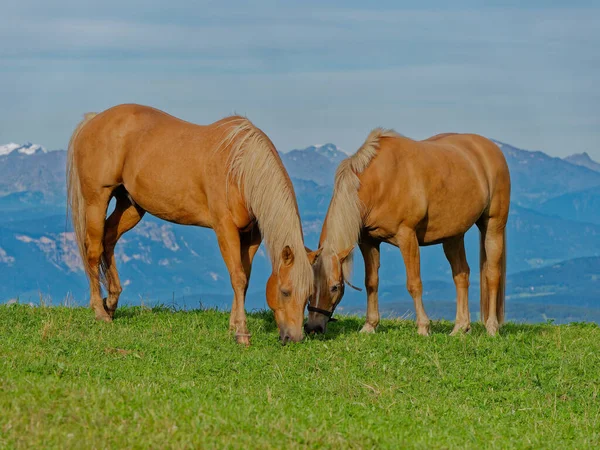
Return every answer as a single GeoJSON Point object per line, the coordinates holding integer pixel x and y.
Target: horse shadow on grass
{"type": "Point", "coordinates": [266, 322]}
{"type": "Point", "coordinates": [130, 312]}
{"type": "Point", "coordinates": [347, 324]}
{"type": "Point", "coordinates": [478, 328]}
{"type": "Point", "coordinates": [353, 324]}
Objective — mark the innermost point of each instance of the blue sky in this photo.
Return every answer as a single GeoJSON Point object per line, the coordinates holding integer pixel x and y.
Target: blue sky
{"type": "Point", "coordinates": [309, 72]}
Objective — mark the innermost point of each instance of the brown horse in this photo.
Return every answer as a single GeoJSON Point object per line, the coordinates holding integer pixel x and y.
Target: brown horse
{"type": "Point", "coordinates": [226, 176]}
{"type": "Point", "coordinates": [409, 194]}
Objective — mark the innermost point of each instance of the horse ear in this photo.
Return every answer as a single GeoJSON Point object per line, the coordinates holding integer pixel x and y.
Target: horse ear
{"type": "Point", "coordinates": [343, 255]}
{"type": "Point", "coordinates": [287, 256]}
{"type": "Point", "coordinates": [313, 256]}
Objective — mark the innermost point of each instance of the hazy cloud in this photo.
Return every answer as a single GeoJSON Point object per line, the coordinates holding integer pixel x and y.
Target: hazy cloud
{"type": "Point", "coordinates": [308, 71]}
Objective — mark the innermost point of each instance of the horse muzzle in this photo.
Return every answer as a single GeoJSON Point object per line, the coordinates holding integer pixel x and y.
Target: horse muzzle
{"type": "Point", "coordinates": [286, 336]}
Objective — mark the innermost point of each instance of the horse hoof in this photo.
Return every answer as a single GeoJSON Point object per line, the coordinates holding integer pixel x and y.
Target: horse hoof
{"type": "Point", "coordinates": [243, 339]}
{"type": "Point", "coordinates": [492, 327]}
{"type": "Point", "coordinates": [110, 311]}
{"type": "Point", "coordinates": [368, 328]}
{"type": "Point", "coordinates": [423, 330]}
{"type": "Point", "coordinates": [460, 329]}
{"type": "Point", "coordinates": [103, 317]}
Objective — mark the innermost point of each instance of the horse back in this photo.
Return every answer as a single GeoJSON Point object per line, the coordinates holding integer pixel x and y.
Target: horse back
{"type": "Point", "coordinates": [169, 167]}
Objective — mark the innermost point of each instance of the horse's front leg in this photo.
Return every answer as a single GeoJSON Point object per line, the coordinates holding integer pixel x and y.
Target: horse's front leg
{"type": "Point", "coordinates": [409, 246]}
{"type": "Point", "coordinates": [370, 252]}
{"type": "Point", "coordinates": [249, 244]}
{"type": "Point", "coordinates": [228, 236]}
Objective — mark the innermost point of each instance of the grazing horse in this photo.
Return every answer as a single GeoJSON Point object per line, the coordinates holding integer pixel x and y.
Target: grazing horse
{"type": "Point", "coordinates": [409, 194]}
{"type": "Point", "coordinates": [226, 176]}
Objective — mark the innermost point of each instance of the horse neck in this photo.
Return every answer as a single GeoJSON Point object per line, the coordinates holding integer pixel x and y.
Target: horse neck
{"type": "Point", "coordinates": [268, 193]}
{"type": "Point", "coordinates": [280, 229]}
{"type": "Point", "coordinates": [280, 226]}
{"type": "Point", "coordinates": [344, 221]}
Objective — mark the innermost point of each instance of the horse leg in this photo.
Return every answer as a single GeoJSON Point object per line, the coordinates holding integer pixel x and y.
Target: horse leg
{"type": "Point", "coordinates": [95, 215]}
{"type": "Point", "coordinates": [229, 240]}
{"type": "Point", "coordinates": [370, 252]}
{"type": "Point", "coordinates": [249, 244]}
{"type": "Point", "coordinates": [454, 250]}
{"type": "Point", "coordinates": [409, 246]}
{"type": "Point", "coordinates": [494, 242]}
{"type": "Point", "coordinates": [125, 216]}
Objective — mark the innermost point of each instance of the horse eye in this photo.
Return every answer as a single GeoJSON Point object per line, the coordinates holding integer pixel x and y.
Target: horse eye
{"type": "Point", "coordinates": [334, 288]}
{"type": "Point", "coordinates": [286, 293]}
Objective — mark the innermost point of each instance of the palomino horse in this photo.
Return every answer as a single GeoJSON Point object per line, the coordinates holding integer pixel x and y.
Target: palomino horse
{"type": "Point", "coordinates": [226, 176]}
{"type": "Point", "coordinates": [409, 194]}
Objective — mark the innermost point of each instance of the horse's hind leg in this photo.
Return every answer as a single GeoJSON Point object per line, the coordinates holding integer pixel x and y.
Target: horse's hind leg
{"type": "Point", "coordinates": [454, 250]}
{"type": "Point", "coordinates": [492, 231]}
{"type": "Point", "coordinates": [125, 216]}
{"type": "Point", "coordinates": [95, 215]}
{"type": "Point", "coordinates": [409, 246]}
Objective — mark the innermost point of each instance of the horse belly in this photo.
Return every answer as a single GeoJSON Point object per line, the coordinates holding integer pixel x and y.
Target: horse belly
{"type": "Point", "coordinates": [451, 219]}
{"type": "Point", "coordinates": [169, 198]}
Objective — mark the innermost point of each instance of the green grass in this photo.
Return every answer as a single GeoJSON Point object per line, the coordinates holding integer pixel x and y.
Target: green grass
{"type": "Point", "coordinates": [163, 379]}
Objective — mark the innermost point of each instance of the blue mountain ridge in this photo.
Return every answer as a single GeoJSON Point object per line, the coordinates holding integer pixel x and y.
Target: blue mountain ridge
{"type": "Point", "coordinates": [162, 262]}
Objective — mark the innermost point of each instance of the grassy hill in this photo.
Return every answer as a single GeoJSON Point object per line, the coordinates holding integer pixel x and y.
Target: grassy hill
{"type": "Point", "coordinates": [164, 379]}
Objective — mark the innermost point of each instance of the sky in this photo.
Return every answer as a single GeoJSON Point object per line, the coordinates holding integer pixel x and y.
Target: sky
{"type": "Point", "coordinates": [309, 72]}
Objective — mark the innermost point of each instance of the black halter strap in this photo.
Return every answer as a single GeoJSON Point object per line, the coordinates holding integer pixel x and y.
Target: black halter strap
{"type": "Point", "coordinates": [326, 313]}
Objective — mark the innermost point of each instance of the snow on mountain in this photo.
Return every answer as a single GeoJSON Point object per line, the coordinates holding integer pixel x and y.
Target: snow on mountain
{"type": "Point", "coordinates": [330, 151]}
{"type": "Point", "coordinates": [8, 148]}
{"type": "Point", "coordinates": [26, 149]}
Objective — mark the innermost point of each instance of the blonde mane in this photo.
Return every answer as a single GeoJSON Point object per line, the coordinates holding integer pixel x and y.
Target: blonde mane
{"type": "Point", "coordinates": [345, 214]}
{"type": "Point", "coordinates": [255, 167]}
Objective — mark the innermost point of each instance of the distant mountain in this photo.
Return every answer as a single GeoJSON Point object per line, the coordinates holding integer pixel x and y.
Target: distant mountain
{"type": "Point", "coordinates": [330, 151]}
{"type": "Point", "coordinates": [159, 260]}
{"type": "Point", "coordinates": [25, 149]}
{"type": "Point", "coordinates": [155, 259]}
{"type": "Point", "coordinates": [315, 163]}
{"type": "Point", "coordinates": [41, 171]}
{"type": "Point", "coordinates": [576, 281]}
{"type": "Point", "coordinates": [537, 177]}
{"type": "Point", "coordinates": [583, 206]}
{"type": "Point", "coordinates": [536, 239]}
{"type": "Point", "coordinates": [583, 159]}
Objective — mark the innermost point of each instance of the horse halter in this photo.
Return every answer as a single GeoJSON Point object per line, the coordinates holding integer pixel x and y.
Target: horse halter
{"type": "Point", "coordinates": [326, 313]}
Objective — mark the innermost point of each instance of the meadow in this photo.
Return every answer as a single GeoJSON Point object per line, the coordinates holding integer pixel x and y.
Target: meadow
{"type": "Point", "coordinates": [160, 378]}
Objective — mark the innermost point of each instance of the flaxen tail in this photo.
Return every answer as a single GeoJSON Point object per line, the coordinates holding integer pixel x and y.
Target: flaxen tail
{"type": "Point", "coordinates": [502, 285]}
{"type": "Point", "coordinates": [484, 300]}
{"type": "Point", "coordinates": [75, 201]}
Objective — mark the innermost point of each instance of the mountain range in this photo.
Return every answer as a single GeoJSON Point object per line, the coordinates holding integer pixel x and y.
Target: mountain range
{"type": "Point", "coordinates": [584, 160]}
{"type": "Point", "coordinates": [553, 240]}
